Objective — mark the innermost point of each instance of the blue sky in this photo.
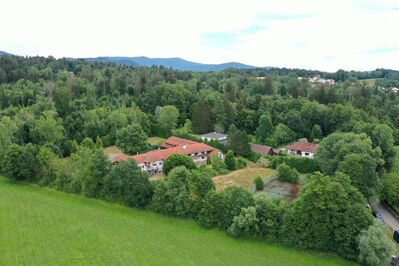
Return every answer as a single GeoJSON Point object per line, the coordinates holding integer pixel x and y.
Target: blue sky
{"type": "Point", "coordinates": [312, 34]}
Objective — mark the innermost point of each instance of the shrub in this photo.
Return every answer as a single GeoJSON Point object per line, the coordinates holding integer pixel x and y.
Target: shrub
{"type": "Point", "coordinates": [245, 224]}
{"type": "Point", "coordinates": [178, 160]}
{"type": "Point", "coordinates": [259, 184]}
{"type": "Point", "coordinates": [287, 174]}
{"type": "Point", "coordinates": [263, 162]}
{"type": "Point", "coordinates": [218, 164]}
{"type": "Point", "coordinates": [230, 161]}
{"type": "Point", "coordinates": [241, 163]}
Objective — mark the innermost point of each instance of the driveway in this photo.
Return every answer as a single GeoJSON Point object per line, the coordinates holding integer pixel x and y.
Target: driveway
{"type": "Point", "coordinates": [389, 219]}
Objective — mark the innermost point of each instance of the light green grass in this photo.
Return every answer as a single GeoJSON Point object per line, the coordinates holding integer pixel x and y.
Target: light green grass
{"type": "Point", "coordinates": [39, 226]}
{"type": "Point", "coordinates": [395, 168]}
{"type": "Point", "coordinates": [155, 140]}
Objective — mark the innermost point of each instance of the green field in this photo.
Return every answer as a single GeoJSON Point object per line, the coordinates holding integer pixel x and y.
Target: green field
{"type": "Point", "coordinates": [39, 226]}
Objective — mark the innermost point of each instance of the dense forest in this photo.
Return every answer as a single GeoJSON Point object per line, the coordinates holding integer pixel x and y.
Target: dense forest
{"type": "Point", "coordinates": [56, 115]}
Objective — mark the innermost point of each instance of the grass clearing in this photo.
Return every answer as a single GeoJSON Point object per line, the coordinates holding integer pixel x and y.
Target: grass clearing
{"type": "Point", "coordinates": [155, 141]}
{"type": "Point", "coordinates": [40, 226]}
{"type": "Point", "coordinates": [242, 177]}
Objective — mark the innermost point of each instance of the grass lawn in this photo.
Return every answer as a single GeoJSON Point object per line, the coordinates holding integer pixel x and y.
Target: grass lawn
{"type": "Point", "coordinates": [155, 140]}
{"type": "Point", "coordinates": [243, 177]}
{"type": "Point", "coordinates": [39, 226]}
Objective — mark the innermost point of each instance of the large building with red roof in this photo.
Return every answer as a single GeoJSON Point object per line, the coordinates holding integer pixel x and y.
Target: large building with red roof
{"type": "Point", "coordinates": [152, 161]}
{"type": "Point", "coordinates": [303, 148]}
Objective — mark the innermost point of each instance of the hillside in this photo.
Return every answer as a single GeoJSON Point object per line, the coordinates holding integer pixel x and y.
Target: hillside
{"type": "Point", "coordinates": [46, 227]}
{"type": "Point", "coordinates": [175, 63]}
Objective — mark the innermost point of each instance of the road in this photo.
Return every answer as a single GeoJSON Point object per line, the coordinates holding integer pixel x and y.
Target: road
{"type": "Point", "coordinates": [389, 219]}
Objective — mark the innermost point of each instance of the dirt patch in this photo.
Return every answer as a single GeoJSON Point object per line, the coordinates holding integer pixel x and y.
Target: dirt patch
{"type": "Point", "coordinates": [243, 177]}
{"type": "Point", "coordinates": [280, 190]}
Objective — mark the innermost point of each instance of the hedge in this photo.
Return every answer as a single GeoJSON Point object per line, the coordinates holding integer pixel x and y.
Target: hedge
{"type": "Point", "coordinates": [302, 165]}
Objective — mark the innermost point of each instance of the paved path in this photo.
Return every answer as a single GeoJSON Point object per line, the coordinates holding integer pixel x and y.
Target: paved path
{"type": "Point", "coordinates": [389, 219]}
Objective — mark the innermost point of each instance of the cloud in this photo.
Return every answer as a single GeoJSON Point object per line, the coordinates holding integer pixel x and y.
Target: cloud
{"type": "Point", "coordinates": [383, 50]}
{"type": "Point", "coordinates": [220, 39]}
{"type": "Point", "coordinates": [268, 17]}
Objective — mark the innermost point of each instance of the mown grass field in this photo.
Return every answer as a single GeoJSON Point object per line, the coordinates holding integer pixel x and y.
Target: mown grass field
{"type": "Point", "coordinates": [39, 226]}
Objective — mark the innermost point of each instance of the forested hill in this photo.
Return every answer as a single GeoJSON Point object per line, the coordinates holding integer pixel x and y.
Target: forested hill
{"type": "Point", "coordinates": [175, 63]}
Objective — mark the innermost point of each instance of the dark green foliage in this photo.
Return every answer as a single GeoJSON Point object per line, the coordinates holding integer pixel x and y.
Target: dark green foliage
{"type": "Point", "coordinates": [128, 185]}
{"type": "Point", "coordinates": [316, 133]}
{"type": "Point", "coordinates": [220, 208]}
{"type": "Point", "coordinates": [301, 164]}
{"type": "Point", "coordinates": [259, 184]}
{"type": "Point", "coordinates": [178, 160]}
{"type": "Point", "coordinates": [98, 167]}
{"type": "Point", "coordinates": [20, 162]}
{"type": "Point", "coordinates": [132, 139]}
{"type": "Point", "coordinates": [202, 118]}
{"type": "Point", "coordinates": [287, 174]}
{"type": "Point", "coordinates": [265, 128]}
{"type": "Point", "coordinates": [238, 142]}
{"type": "Point", "coordinates": [230, 161]}
{"type": "Point", "coordinates": [390, 189]}
{"type": "Point", "coordinates": [328, 215]}
{"type": "Point", "coordinates": [182, 192]}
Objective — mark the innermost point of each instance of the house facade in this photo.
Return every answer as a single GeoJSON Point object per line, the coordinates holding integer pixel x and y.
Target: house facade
{"type": "Point", "coordinates": [303, 148]}
{"type": "Point", "coordinates": [152, 161]}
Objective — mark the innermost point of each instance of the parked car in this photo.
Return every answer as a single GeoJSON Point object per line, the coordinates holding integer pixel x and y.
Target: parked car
{"type": "Point", "coordinates": [378, 215]}
{"type": "Point", "coordinates": [396, 236]}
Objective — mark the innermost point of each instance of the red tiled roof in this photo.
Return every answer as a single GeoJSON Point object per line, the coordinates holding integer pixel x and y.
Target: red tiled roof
{"type": "Point", "coordinates": [262, 149]}
{"type": "Point", "coordinates": [175, 141]}
{"type": "Point", "coordinates": [304, 146]}
{"type": "Point", "coordinates": [157, 155]}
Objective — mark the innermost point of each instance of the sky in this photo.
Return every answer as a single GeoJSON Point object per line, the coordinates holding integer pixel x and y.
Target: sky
{"type": "Point", "coordinates": [310, 34]}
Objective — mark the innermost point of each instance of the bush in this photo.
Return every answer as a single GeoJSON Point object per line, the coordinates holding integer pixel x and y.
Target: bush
{"type": "Point", "coordinates": [245, 224]}
{"type": "Point", "coordinates": [287, 174]}
{"type": "Point", "coordinates": [230, 161]}
{"type": "Point", "coordinates": [259, 184]}
{"type": "Point", "coordinates": [263, 162]}
{"type": "Point", "coordinates": [178, 160]}
{"type": "Point", "coordinates": [302, 165]}
{"type": "Point", "coordinates": [241, 163]}
{"type": "Point", "coordinates": [20, 162]}
{"type": "Point", "coordinates": [218, 164]}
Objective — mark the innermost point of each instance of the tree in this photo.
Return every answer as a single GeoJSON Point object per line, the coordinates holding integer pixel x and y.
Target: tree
{"type": "Point", "coordinates": [361, 170]}
{"type": "Point", "coordinates": [390, 188]}
{"type": "Point", "coordinates": [328, 215]}
{"type": "Point", "coordinates": [230, 161]}
{"type": "Point", "coordinates": [202, 121]}
{"type": "Point", "coordinates": [132, 139]}
{"type": "Point", "coordinates": [98, 167]}
{"type": "Point", "coordinates": [238, 142]}
{"type": "Point", "coordinates": [283, 135]}
{"type": "Point", "coordinates": [47, 130]}
{"type": "Point", "coordinates": [316, 133]}
{"type": "Point", "coordinates": [265, 128]}
{"type": "Point", "coordinates": [259, 184]}
{"type": "Point", "coordinates": [167, 117]}
{"type": "Point", "coordinates": [245, 224]}
{"type": "Point", "coordinates": [382, 136]}
{"type": "Point", "coordinates": [335, 147]}
{"type": "Point", "coordinates": [287, 174]}
{"type": "Point", "coordinates": [375, 249]}
{"type": "Point", "coordinates": [219, 209]}
{"type": "Point", "coordinates": [128, 185]}
{"type": "Point", "coordinates": [218, 164]}
{"type": "Point", "coordinates": [178, 160]}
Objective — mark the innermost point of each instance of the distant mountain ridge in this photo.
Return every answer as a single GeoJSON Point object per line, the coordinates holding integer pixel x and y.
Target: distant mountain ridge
{"type": "Point", "coordinates": [175, 63]}
{"type": "Point", "coordinates": [4, 53]}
